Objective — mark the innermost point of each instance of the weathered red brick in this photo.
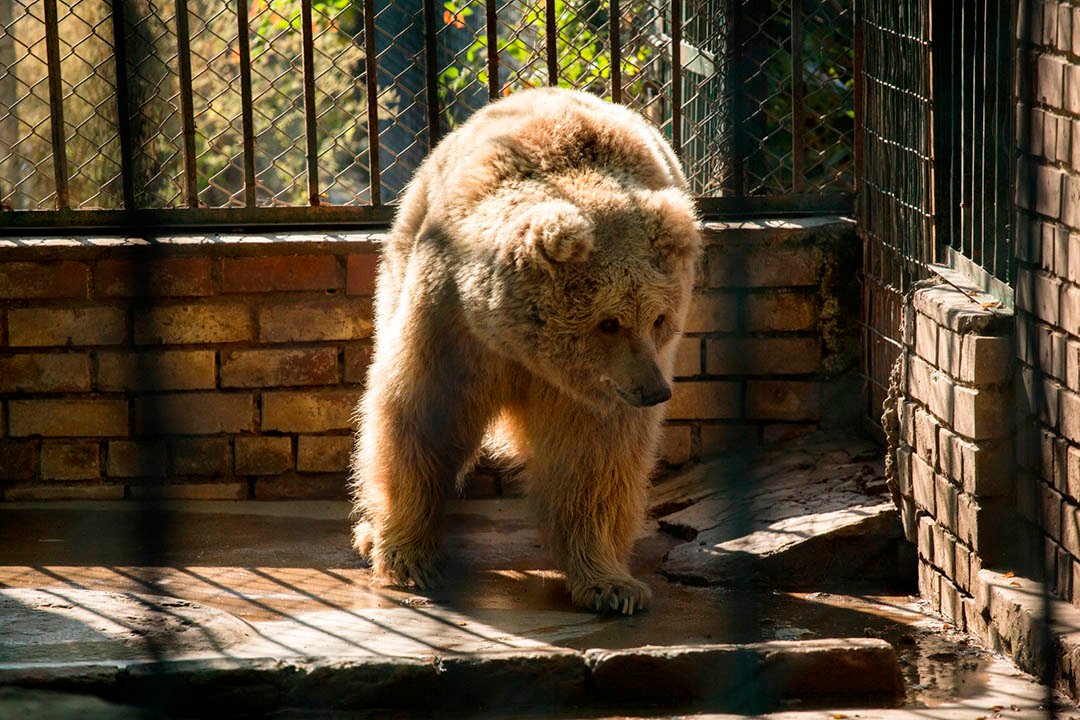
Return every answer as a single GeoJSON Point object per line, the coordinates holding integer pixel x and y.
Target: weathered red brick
{"type": "Point", "coordinates": [763, 265]}
{"type": "Point", "coordinates": [676, 444]}
{"type": "Point", "coordinates": [263, 455]}
{"type": "Point", "coordinates": [781, 311]}
{"type": "Point", "coordinates": [40, 372]}
{"type": "Point", "coordinates": [196, 413]}
{"type": "Point", "coordinates": [201, 456]}
{"type": "Point", "coordinates": [61, 460]}
{"type": "Point", "coordinates": [774, 433]}
{"type": "Point", "coordinates": [301, 487]}
{"type": "Point", "coordinates": [688, 356]}
{"type": "Point", "coordinates": [705, 400]}
{"type": "Point", "coordinates": [783, 400]}
{"type": "Point", "coordinates": [18, 459]}
{"type": "Point", "coordinates": [323, 453]}
{"type": "Point", "coordinates": [763, 356]}
{"type": "Point", "coordinates": [981, 413]}
{"type": "Point", "coordinates": [361, 274]}
{"type": "Point", "coordinates": [196, 324]}
{"type": "Point", "coordinates": [264, 368]}
{"type": "Point", "coordinates": [135, 458]}
{"type": "Point", "coordinates": [286, 272]}
{"type": "Point", "coordinates": [27, 280]}
{"type": "Point", "coordinates": [172, 277]}
{"type": "Point", "coordinates": [357, 359]}
{"type": "Point", "coordinates": [313, 411]}
{"type": "Point", "coordinates": [18, 493]}
{"type": "Point", "coordinates": [190, 491]}
{"type": "Point", "coordinates": [43, 327]}
{"type": "Point", "coordinates": [717, 439]}
{"type": "Point", "coordinates": [166, 370]}
{"type": "Point", "coordinates": [68, 417]}
{"type": "Point", "coordinates": [712, 312]}
{"type": "Point", "coordinates": [330, 319]}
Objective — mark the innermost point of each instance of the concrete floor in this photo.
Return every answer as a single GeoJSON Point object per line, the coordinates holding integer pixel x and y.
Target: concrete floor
{"type": "Point", "coordinates": [99, 582]}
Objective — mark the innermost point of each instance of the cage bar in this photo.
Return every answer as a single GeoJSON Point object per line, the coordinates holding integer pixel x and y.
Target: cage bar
{"type": "Point", "coordinates": [491, 26]}
{"type": "Point", "coordinates": [615, 38]}
{"type": "Point", "coordinates": [187, 104]}
{"type": "Point", "coordinates": [123, 109]}
{"type": "Point", "coordinates": [308, 43]}
{"type": "Point", "coordinates": [370, 72]}
{"type": "Point", "coordinates": [56, 104]}
{"type": "Point", "coordinates": [247, 120]}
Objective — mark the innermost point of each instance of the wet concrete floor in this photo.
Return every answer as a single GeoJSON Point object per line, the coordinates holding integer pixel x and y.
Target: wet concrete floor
{"type": "Point", "coordinates": [254, 579]}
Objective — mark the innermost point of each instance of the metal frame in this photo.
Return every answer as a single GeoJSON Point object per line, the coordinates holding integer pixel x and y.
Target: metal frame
{"type": "Point", "coordinates": [735, 202]}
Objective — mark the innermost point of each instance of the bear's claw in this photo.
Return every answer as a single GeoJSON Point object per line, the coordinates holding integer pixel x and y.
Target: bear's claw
{"type": "Point", "coordinates": [407, 566]}
{"type": "Point", "coordinates": [619, 595]}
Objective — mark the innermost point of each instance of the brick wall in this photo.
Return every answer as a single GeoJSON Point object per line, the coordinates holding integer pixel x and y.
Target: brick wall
{"type": "Point", "coordinates": [1048, 293]}
{"type": "Point", "coordinates": [954, 450]}
{"type": "Point", "coordinates": [231, 366]}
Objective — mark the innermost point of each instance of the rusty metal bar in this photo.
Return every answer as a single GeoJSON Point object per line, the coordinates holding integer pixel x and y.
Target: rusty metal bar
{"type": "Point", "coordinates": [371, 69]}
{"type": "Point", "coordinates": [492, 25]}
{"type": "Point", "coordinates": [798, 102]}
{"type": "Point", "coordinates": [308, 42]}
{"type": "Point", "coordinates": [56, 104]}
{"type": "Point", "coordinates": [247, 120]}
{"type": "Point", "coordinates": [431, 65]}
{"type": "Point", "coordinates": [187, 103]}
{"type": "Point", "coordinates": [615, 33]}
{"type": "Point", "coordinates": [20, 223]}
{"type": "Point", "coordinates": [676, 76]}
{"type": "Point", "coordinates": [123, 108]}
{"type": "Point", "coordinates": [552, 34]}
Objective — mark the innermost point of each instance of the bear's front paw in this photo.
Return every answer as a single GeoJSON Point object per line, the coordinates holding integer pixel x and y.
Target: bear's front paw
{"type": "Point", "coordinates": [363, 539]}
{"type": "Point", "coordinates": [407, 565]}
{"type": "Point", "coordinates": [612, 594]}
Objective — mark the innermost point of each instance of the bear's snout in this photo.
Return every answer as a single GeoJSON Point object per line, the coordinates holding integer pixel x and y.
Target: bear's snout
{"type": "Point", "coordinates": [654, 396]}
{"type": "Point", "coordinates": [646, 395]}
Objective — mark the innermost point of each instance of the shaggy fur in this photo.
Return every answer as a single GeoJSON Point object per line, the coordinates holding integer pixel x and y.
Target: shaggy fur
{"type": "Point", "coordinates": [531, 292]}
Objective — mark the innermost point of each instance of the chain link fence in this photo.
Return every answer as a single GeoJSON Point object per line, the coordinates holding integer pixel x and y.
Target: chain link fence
{"type": "Point", "coordinates": [242, 112]}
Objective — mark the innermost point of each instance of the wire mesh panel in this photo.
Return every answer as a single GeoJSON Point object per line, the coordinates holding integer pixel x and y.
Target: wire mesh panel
{"type": "Point", "coordinates": [241, 112]}
{"type": "Point", "coordinates": [895, 201]}
{"type": "Point", "coordinates": [26, 178]}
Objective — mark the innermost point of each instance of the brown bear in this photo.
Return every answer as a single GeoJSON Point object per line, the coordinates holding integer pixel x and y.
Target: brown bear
{"type": "Point", "coordinates": [528, 302]}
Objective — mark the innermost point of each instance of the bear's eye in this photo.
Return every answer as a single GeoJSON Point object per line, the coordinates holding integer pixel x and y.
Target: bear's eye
{"type": "Point", "coordinates": [658, 321]}
{"type": "Point", "coordinates": [609, 326]}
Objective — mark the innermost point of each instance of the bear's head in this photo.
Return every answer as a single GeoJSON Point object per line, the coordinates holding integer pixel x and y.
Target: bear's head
{"type": "Point", "coordinates": [604, 286]}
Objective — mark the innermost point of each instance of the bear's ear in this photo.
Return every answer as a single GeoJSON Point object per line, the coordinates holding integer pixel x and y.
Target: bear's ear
{"type": "Point", "coordinates": [554, 231]}
{"type": "Point", "coordinates": [671, 223]}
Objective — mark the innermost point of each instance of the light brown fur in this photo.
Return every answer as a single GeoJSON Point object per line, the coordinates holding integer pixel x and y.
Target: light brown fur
{"type": "Point", "coordinates": [544, 215]}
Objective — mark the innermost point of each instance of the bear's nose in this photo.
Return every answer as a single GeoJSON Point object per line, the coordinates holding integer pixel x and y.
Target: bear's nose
{"type": "Point", "coordinates": [654, 396]}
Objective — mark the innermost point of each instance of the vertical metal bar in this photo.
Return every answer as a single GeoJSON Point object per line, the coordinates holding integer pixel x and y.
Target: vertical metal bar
{"type": "Point", "coordinates": [552, 51]}
{"type": "Point", "coordinates": [798, 101]}
{"type": "Point", "coordinates": [431, 55]}
{"type": "Point", "coordinates": [56, 105]}
{"type": "Point", "coordinates": [247, 120]}
{"type": "Point", "coordinates": [492, 24]}
{"type": "Point", "coordinates": [187, 103]}
{"type": "Point", "coordinates": [676, 76]}
{"type": "Point", "coordinates": [308, 39]}
{"type": "Point", "coordinates": [123, 109]}
{"type": "Point", "coordinates": [615, 33]}
{"type": "Point", "coordinates": [737, 80]}
{"type": "Point", "coordinates": [859, 69]}
{"type": "Point", "coordinates": [371, 67]}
